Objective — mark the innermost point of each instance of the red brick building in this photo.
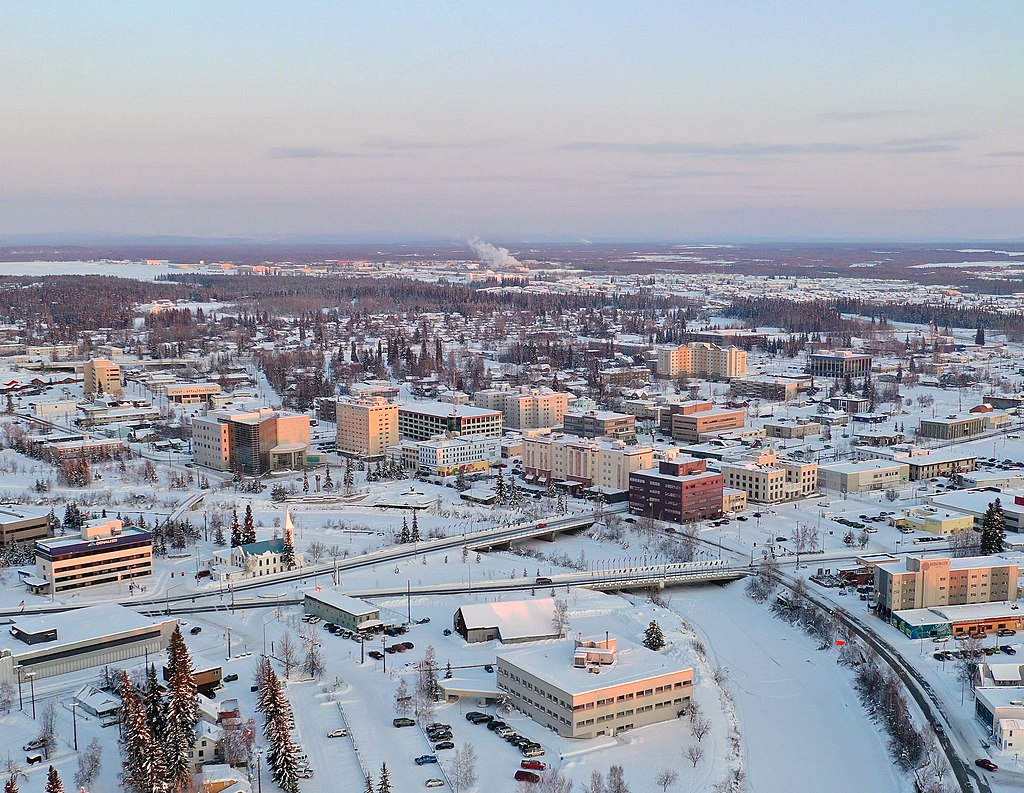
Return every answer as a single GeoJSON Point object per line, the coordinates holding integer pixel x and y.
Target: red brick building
{"type": "Point", "coordinates": [680, 491]}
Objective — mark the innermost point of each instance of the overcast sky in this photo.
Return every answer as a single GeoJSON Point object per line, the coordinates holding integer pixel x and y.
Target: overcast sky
{"type": "Point", "coordinates": [513, 120]}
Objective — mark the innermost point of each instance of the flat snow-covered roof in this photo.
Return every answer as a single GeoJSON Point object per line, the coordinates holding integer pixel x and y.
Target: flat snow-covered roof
{"type": "Point", "coordinates": [553, 663]}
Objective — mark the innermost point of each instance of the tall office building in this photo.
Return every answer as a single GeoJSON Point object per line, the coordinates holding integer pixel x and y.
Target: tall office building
{"type": "Point", "coordinates": [251, 442]}
{"type": "Point", "coordinates": [366, 427]}
{"type": "Point", "coordinates": [101, 377]}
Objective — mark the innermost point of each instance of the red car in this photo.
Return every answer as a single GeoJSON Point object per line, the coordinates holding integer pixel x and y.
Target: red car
{"type": "Point", "coordinates": [533, 765]}
{"type": "Point", "coordinates": [987, 764]}
{"type": "Point", "coordinates": [527, 776]}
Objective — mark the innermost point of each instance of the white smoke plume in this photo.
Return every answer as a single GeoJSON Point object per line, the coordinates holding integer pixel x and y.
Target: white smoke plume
{"type": "Point", "coordinates": [492, 255]}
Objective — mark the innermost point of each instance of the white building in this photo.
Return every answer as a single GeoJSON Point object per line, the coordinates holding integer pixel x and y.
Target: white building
{"type": "Point", "coordinates": [80, 639]}
{"type": "Point", "coordinates": [446, 456]}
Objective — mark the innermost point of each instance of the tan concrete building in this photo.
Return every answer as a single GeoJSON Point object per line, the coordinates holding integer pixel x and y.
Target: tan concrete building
{"type": "Point", "coordinates": [526, 408]}
{"type": "Point", "coordinates": [582, 689]}
{"type": "Point", "coordinates": [104, 553]}
{"type": "Point", "coordinates": [691, 426]}
{"type": "Point", "coordinates": [600, 424]}
{"type": "Point", "coordinates": [701, 359]}
{"type": "Point", "coordinates": [920, 582]}
{"type": "Point", "coordinates": [23, 524]}
{"type": "Point", "coordinates": [792, 429]}
{"type": "Point", "coordinates": [768, 478]}
{"type": "Point", "coordinates": [863, 476]}
{"type": "Point", "coordinates": [954, 426]}
{"type": "Point", "coordinates": [555, 457]}
{"type": "Point", "coordinates": [777, 389]}
{"type": "Point", "coordinates": [366, 427]}
{"type": "Point", "coordinates": [101, 377]}
{"type": "Point", "coordinates": [252, 442]}
{"type": "Point", "coordinates": [191, 393]}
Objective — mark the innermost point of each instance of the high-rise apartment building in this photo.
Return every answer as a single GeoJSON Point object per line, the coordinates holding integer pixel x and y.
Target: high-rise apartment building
{"type": "Point", "coordinates": [526, 408]}
{"type": "Point", "coordinates": [366, 427]}
{"type": "Point", "coordinates": [701, 359]}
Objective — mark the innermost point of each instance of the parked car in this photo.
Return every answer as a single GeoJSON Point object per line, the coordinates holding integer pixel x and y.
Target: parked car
{"type": "Point", "coordinates": [543, 580]}
{"type": "Point", "coordinates": [527, 776]}
{"type": "Point", "coordinates": [35, 743]}
{"type": "Point", "coordinates": [477, 717]}
{"type": "Point", "coordinates": [230, 678]}
{"type": "Point", "coordinates": [447, 631]}
{"type": "Point", "coordinates": [423, 621]}
{"type": "Point", "coordinates": [425, 759]}
{"type": "Point", "coordinates": [196, 631]}
{"type": "Point", "coordinates": [496, 725]}
{"type": "Point", "coordinates": [376, 654]}
{"type": "Point", "coordinates": [304, 773]}
{"type": "Point", "coordinates": [533, 751]}
{"type": "Point", "coordinates": [443, 745]}
{"type": "Point", "coordinates": [338, 734]}
{"type": "Point", "coordinates": [435, 783]}
{"type": "Point", "coordinates": [533, 765]}
{"type": "Point", "coordinates": [987, 764]}
{"type": "Point", "coordinates": [439, 735]}
{"type": "Point", "coordinates": [1006, 632]}
{"type": "Point", "coordinates": [1007, 649]}
{"type": "Point", "coordinates": [488, 668]}
{"type": "Point", "coordinates": [407, 645]}
{"type": "Point", "coordinates": [438, 726]}
{"type": "Point", "coordinates": [403, 722]}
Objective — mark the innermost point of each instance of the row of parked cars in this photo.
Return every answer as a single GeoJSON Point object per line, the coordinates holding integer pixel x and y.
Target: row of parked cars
{"type": "Point", "coordinates": [528, 747]}
{"type": "Point", "coordinates": [950, 655]}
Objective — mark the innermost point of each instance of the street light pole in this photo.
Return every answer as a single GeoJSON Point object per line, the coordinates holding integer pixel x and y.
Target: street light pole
{"type": "Point", "coordinates": [21, 701]}
{"type": "Point", "coordinates": [74, 722]}
{"type": "Point", "coordinates": [32, 685]}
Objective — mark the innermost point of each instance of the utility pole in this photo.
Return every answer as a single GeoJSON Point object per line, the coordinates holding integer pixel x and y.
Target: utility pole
{"type": "Point", "coordinates": [74, 722]}
{"type": "Point", "coordinates": [229, 642]}
{"type": "Point", "coordinates": [408, 600]}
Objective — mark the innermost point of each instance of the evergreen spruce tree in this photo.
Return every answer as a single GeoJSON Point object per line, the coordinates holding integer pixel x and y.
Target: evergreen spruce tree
{"type": "Point", "coordinates": [404, 536]}
{"type": "Point", "coordinates": [11, 785]}
{"type": "Point", "coordinates": [143, 769]}
{"type": "Point", "coordinates": [53, 783]}
{"type": "Point", "coordinates": [236, 530]}
{"type": "Point", "coordinates": [415, 535]}
{"type": "Point", "coordinates": [288, 553]}
{"type": "Point", "coordinates": [182, 712]}
{"type": "Point", "coordinates": [993, 529]}
{"type": "Point", "coordinates": [979, 337]}
{"type": "Point", "coordinates": [248, 527]}
{"type": "Point", "coordinates": [385, 779]}
{"type": "Point", "coordinates": [654, 639]}
{"type": "Point", "coordinates": [369, 785]}
{"type": "Point", "coordinates": [156, 709]}
{"type": "Point", "coordinates": [281, 756]}
{"type": "Point", "coordinates": [499, 488]}
{"type": "Point", "coordinates": [349, 479]}
{"type": "Point", "coordinates": [328, 481]}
